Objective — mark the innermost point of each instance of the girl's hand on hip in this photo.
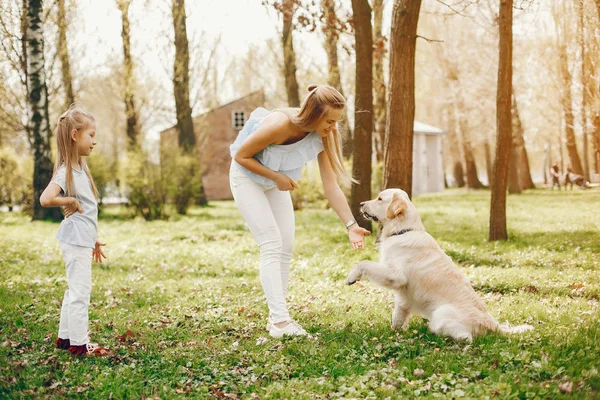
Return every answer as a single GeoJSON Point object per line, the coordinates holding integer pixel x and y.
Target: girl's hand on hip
{"type": "Point", "coordinates": [71, 207]}
{"type": "Point", "coordinates": [356, 234]}
{"type": "Point", "coordinates": [97, 253]}
{"type": "Point", "coordinates": [285, 183]}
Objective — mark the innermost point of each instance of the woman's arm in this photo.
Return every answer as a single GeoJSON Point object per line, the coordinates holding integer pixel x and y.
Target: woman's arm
{"type": "Point", "coordinates": [338, 201]}
{"type": "Point", "coordinates": [267, 134]}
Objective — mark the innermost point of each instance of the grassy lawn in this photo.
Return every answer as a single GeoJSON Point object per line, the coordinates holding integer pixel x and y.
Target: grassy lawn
{"type": "Point", "coordinates": [179, 303]}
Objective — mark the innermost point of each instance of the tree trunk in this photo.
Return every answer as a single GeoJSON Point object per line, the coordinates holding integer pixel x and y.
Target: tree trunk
{"type": "Point", "coordinates": [472, 180]}
{"type": "Point", "coordinates": [181, 79]}
{"type": "Point", "coordinates": [399, 127]}
{"type": "Point", "coordinates": [379, 80]}
{"type": "Point", "coordinates": [488, 161]}
{"type": "Point", "coordinates": [585, 83]}
{"type": "Point", "coordinates": [472, 177]}
{"type": "Point", "coordinates": [334, 78]}
{"type": "Point", "coordinates": [503, 123]}
{"type": "Point", "coordinates": [363, 106]}
{"type": "Point", "coordinates": [289, 56]}
{"type": "Point", "coordinates": [39, 122]}
{"type": "Point", "coordinates": [63, 54]}
{"type": "Point", "coordinates": [457, 168]}
{"type": "Point", "coordinates": [130, 110]}
{"type": "Point", "coordinates": [566, 97]}
{"type": "Point", "coordinates": [513, 169]}
{"type": "Point", "coordinates": [521, 158]}
{"type": "Point", "coordinates": [596, 116]}
{"type": "Point", "coordinates": [181, 87]}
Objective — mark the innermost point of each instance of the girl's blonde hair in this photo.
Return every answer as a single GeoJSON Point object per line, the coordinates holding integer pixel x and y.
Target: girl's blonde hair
{"type": "Point", "coordinates": [72, 119]}
{"type": "Point", "coordinates": [320, 99]}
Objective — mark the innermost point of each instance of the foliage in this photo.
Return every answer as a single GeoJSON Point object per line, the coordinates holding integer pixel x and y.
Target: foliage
{"type": "Point", "coordinates": [146, 186]}
{"type": "Point", "coordinates": [310, 191]}
{"type": "Point", "coordinates": [182, 174]}
{"type": "Point", "coordinates": [101, 173]}
{"type": "Point", "coordinates": [15, 179]}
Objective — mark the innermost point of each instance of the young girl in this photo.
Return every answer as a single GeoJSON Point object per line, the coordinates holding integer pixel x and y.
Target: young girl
{"type": "Point", "coordinates": [268, 156]}
{"type": "Point", "coordinates": [73, 189]}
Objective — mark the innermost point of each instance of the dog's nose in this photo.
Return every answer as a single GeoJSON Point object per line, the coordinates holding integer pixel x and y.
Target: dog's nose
{"type": "Point", "coordinates": [363, 203]}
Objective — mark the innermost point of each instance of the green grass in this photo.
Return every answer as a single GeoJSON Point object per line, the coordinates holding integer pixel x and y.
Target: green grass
{"type": "Point", "coordinates": [179, 303]}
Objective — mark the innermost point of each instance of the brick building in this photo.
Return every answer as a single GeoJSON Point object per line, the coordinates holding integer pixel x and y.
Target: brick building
{"type": "Point", "coordinates": [215, 130]}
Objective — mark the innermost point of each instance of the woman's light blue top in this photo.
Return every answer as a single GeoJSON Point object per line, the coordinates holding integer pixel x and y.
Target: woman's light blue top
{"type": "Point", "coordinates": [289, 159]}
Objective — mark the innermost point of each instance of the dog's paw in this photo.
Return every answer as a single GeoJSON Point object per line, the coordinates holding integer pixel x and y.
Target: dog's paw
{"type": "Point", "coordinates": [354, 276]}
{"type": "Point", "coordinates": [399, 325]}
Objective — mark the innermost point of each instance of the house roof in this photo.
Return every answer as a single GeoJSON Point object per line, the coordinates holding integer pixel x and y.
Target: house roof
{"type": "Point", "coordinates": [420, 127]}
{"type": "Point", "coordinates": [208, 110]}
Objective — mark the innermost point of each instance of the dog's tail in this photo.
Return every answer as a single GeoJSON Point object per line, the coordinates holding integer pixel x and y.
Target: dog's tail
{"type": "Point", "coordinates": [506, 327]}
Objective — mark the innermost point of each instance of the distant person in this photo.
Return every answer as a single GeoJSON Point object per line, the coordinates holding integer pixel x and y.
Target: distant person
{"type": "Point", "coordinates": [268, 157]}
{"type": "Point", "coordinates": [73, 189]}
{"type": "Point", "coordinates": [555, 172]}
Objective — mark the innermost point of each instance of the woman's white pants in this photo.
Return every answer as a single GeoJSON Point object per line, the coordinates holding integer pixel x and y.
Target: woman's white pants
{"type": "Point", "coordinates": [269, 214]}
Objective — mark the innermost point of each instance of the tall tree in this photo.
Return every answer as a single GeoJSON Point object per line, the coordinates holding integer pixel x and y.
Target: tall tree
{"type": "Point", "coordinates": [379, 79]}
{"type": "Point", "coordinates": [521, 156]}
{"type": "Point", "coordinates": [586, 90]}
{"type": "Point", "coordinates": [63, 53]}
{"type": "Point", "coordinates": [130, 109]}
{"type": "Point", "coordinates": [363, 107]}
{"type": "Point", "coordinates": [566, 92]}
{"type": "Point", "coordinates": [331, 30]}
{"type": "Point", "coordinates": [181, 87]}
{"type": "Point", "coordinates": [289, 55]}
{"type": "Point", "coordinates": [399, 128]}
{"type": "Point", "coordinates": [503, 123]}
{"type": "Point", "coordinates": [181, 78]}
{"type": "Point", "coordinates": [39, 121]}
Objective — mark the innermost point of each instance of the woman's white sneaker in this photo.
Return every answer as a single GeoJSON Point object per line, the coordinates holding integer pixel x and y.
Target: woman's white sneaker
{"type": "Point", "coordinates": [292, 329]}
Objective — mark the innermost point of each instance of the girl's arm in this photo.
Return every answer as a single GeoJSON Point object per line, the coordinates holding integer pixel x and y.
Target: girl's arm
{"type": "Point", "coordinates": [267, 134]}
{"type": "Point", "coordinates": [338, 201]}
{"type": "Point", "coordinates": [51, 198]}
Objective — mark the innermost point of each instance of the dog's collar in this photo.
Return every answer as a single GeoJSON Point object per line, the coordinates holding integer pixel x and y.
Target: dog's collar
{"type": "Point", "coordinates": [402, 232]}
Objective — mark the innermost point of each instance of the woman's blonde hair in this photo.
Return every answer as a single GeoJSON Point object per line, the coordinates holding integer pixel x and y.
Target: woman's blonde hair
{"type": "Point", "coordinates": [72, 119]}
{"type": "Point", "coordinates": [320, 99]}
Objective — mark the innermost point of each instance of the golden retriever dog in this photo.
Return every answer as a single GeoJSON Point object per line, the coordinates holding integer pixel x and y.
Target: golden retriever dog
{"type": "Point", "coordinates": [424, 279]}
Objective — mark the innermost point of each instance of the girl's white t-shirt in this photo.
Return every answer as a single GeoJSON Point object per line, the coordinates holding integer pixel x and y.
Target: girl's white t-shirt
{"type": "Point", "coordinates": [80, 229]}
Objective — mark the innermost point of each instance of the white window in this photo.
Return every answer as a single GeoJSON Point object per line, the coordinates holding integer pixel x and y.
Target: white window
{"type": "Point", "coordinates": [238, 120]}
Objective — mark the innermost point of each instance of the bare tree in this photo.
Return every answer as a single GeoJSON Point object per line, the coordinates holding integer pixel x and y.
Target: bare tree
{"type": "Point", "coordinates": [521, 156]}
{"type": "Point", "coordinates": [181, 78]}
{"type": "Point", "coordinates": [363, 107]}
{"type": "Point", "coordinates": [130, 106]}
{"type": "Point", "coordinates": [586, 89]}
{"type": "Point", "coordinates": [566, 92]}
{"type": "Point", "coordinates": [39, 121]}
{"type": "Point", "coordinates": [332, 27]}
{"type": "Point", "coordinates": [63, 53]}
{"type": "Point", "coordinates": [504, 124]}
{"type": "Point", "coordinates": [181, 88]}
{"type": "Point", "coordinates": [289, 55]}
{"type": "Point", "coordinates": [398, 161]}
{"type": "Point", "coordinates": [379, 79]}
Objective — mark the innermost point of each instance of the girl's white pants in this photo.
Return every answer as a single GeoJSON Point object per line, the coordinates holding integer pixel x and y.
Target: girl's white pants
{"type": "Point", "coordinates": [269, 214]}
{"type": "Point", "coordinates": [74, 312]}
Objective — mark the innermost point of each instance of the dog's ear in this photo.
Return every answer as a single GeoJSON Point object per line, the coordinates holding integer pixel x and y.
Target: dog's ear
{"type": "Point", "coordinates": [397, 207]}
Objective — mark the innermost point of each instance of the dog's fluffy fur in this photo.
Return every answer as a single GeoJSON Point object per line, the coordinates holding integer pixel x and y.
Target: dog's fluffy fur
{"type": "Point", "coordinates": [424, 279]}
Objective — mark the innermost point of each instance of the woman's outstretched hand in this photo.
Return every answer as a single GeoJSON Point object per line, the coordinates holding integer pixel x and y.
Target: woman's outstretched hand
{"type": "Point", "coordinates": [285, 183]}
{"type": "Point", "coordinates": [356, 234]}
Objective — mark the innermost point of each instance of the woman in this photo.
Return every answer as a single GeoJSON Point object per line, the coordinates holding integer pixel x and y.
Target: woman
{"type": "Point", "coordinates": [268, 156]}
